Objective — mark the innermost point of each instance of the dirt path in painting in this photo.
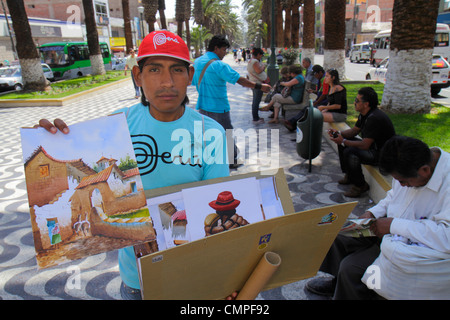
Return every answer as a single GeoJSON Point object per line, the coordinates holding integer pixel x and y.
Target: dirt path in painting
{"type": "Point", "coordinates": [81, 248]}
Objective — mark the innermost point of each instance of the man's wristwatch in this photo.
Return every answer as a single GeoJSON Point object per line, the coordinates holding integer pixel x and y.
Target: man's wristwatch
{"type": "Point", "coordinates": [343, 142]}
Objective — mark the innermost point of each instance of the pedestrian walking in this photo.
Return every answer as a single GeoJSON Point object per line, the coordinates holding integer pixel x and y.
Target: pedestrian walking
{"type": "Point", "coordinates": [131, 62]}
{"type": "Point", "coordinates": [210, 79]}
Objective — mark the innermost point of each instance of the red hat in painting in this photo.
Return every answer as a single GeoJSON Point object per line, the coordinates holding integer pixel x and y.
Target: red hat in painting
{"type": "Point", "coordinates": [163, 43]}
{"type": "Point", "coordinates": [225, 201]}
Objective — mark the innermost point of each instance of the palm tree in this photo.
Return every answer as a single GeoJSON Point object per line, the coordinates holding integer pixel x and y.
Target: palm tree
{"type": "Point", "coordinates": [95, 54]}
{"type": "Point", "coordinates": [180, 13]}
{"type": "Point", "coordinates": [295, 23]}
{"type": "Point", "coordinates": [32, 73]}
{"type": "Point", "coordinates": [219, 18]}
{"type": "Point", "coordinates": [127, 25]}
{"type": "Point", "coordinates": [279, 24]}
{"type": "Point", "coordinates": [150, 9]}
{"type": "Point", "coordinates": [308, 49]}
{"type": "Point", "coordinates": [266, 21]}
{"type": "Point", "coordinates": [198, 12]}
{"type": "Point", "coordinates": [254, 10]}
{"type": "Point", "coordinates": [199, 36]}
{"type": "Point", "coordinates": [407, 88]}
{"type": "Point", "coordinates": [287, 7]}
{"type": "Point", "coordinates": [162, 15]}
{"type": "Point", "coordinates": [187, 17]}
{"type": "Point", "coordinates": [334, 47]}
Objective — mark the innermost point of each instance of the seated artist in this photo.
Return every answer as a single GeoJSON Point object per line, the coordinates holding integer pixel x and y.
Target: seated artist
{"type": "Point", "coordinates": [410, 256]}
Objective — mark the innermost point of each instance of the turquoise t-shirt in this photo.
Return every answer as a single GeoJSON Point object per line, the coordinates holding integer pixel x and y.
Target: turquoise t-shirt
{"type": "Point", "coordinates": [189, 149]}
{"type": "Point", "coordinates": [212, 93]}
{"type": "Point", "coordinates": [298, 89]}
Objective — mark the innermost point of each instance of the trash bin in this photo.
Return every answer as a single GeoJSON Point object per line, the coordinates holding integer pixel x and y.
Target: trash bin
{"type": "Point", "coordinates": [309, 133]}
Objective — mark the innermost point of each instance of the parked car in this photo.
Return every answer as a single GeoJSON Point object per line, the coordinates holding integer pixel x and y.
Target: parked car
{"type": "Point", "coordinates": [118, 63]}
{"type": "Point", "coordinates": [440, 73]}
{"type": "Point", "coordinates": [11, 77]}
{"type": "Point", "coordinates": [360, 52]}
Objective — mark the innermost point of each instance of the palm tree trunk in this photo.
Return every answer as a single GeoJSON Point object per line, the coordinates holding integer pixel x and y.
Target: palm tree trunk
{"type": "Point", "coordinates": [95, 54]}
{"type": "Point", "coordinates": [150, 9]}
{"type": "Point", "coordinates": [32, 73]}
{"type": "Point", "coordinates": [198, 12]}
{"type": "Point", "coordinates": [127, 25]}
{"type": "Point", "coordinates": [265, 15]}
{"type": "Point", "coordinates": [287, 24]}
{"type": "Point", "coordinates": [334, 48]}
{"type": "Point", "coordinates": [162, 15]}
{"type": "Point", "coordinates": [407, 88]}
{"type": "Point", "coordinates": [308, 50]}
{"type": "Point", "coordinates": [295, 39]}
{"type": "Point", "coordinates": [279, 24]}
{"type": "Point", "coordinates": [180, 9]}
{"type": "Point", "coordinates": [187, 17]}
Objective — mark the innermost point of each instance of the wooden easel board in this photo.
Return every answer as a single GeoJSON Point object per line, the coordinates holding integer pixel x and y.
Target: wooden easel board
{"type": "Point", "coordinates": [216, 266]}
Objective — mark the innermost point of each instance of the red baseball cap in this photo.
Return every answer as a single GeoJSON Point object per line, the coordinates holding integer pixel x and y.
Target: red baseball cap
{"type": "Point", "coordinates": [164, 43]}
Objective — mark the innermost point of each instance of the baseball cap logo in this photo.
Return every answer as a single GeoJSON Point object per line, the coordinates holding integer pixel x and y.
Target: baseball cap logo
{"type": "Point", "coordinates": [161, 38]}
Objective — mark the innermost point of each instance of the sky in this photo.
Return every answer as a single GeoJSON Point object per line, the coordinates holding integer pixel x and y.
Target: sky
{"type": "Point", "coordinates": [89, 140]}
{"type": "Point", "coordinates": [170, 7]}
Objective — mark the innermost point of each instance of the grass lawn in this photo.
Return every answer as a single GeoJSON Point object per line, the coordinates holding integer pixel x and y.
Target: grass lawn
{"type": "Point", "coordinates": [65, 88]}
{"type": "Point", "coordinates": [141, 213]}
{"type": "Point", "coordinates": [432, 128]}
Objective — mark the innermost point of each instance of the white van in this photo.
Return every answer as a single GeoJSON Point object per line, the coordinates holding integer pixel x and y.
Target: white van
{"type": "Point", "coordinates": [360, 52]}
{"type": "Point", "coordinates": [382, 43]}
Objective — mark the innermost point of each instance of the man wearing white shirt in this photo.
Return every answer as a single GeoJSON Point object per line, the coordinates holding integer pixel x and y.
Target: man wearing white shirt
{"type": "Point", "coordinates": [309, 72]}
{"type": "Point", "coordinates": [413, 222]}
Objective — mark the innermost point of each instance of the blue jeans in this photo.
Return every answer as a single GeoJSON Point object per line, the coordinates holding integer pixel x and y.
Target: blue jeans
{"type": "Point", "coordinates": [136, 88]}
{"type": "Point", "coordinates": [225, 121]}
{"type": "Point", "coordinates": [257, 96]}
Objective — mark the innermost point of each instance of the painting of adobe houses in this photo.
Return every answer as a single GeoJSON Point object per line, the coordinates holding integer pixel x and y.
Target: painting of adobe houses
{"type": "Point", "coordinates": [84, 191]}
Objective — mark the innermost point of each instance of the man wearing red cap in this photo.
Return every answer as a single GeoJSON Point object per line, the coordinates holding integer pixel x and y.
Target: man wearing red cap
{"type": "Point", "coordinates": [164, 71]}
{"type": "Point", "coordinates": [211, 78]}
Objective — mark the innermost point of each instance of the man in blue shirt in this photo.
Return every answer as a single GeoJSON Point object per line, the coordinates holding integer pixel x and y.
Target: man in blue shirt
{"type": "Point", "coordinates": [211, 77]}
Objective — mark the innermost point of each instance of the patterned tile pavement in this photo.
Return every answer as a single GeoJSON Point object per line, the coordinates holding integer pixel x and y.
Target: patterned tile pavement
{"type": "Point", "coordinates": [100, 279]}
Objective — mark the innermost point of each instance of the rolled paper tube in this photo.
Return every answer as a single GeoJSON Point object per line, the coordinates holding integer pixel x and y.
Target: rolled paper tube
{"type": "Point", "coordinates": [266, 267]}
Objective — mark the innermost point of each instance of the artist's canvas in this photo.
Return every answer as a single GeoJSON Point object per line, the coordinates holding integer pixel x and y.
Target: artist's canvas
{"type": "Point", "coordinates": [84, 190]}
{"type": "Point", "coordinates": [202, 211]}
{"type": "Point", "coordinates": [232, 204]}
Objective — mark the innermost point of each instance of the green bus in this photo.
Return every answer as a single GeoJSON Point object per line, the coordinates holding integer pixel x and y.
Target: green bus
{"type": "Point", "coordinates": [71, 59]}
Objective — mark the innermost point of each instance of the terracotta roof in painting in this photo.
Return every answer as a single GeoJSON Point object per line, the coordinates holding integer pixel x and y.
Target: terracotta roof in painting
{"type": "Point", "coordinates": [131, 172]}
{"type": "Point", "coordinates": [102, 176]}
{"type": "Point", "coordinates": [77, 163]}
{"type": "Point", "coordinates": [102, 159]}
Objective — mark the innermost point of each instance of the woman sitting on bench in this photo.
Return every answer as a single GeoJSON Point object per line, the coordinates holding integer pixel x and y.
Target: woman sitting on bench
{"type": "Point", "coordinates": [336, 109]}
{"type": "Point", "coordinates": [297, 85]}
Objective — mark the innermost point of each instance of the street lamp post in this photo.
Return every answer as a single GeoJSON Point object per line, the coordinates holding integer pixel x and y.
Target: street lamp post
{"type": "Point", "coordinates": [273, 70]}
{"type": "Point", "coordinates": [141, 11]}
{"type": "Point", "coordinates": [260, 33]}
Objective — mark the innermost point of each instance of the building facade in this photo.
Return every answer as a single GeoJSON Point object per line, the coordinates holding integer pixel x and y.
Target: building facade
{"type": "Point", "coordinates": [363, 20]}
{"type": "Point", "coordinates": [63, 20]}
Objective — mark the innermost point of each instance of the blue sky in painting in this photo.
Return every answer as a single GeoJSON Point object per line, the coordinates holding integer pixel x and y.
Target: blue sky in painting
{"type": "Point", "coordinates": [90, 140]}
